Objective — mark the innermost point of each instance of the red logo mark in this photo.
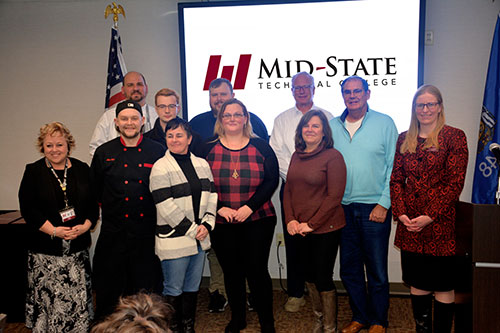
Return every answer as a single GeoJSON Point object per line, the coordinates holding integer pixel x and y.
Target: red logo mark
{"type": "Point", "coordinates": [227, 71]}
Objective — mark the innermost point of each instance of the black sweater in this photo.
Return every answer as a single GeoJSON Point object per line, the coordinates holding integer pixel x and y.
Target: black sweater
{"type": "Point", "coordinates": [41, 198]}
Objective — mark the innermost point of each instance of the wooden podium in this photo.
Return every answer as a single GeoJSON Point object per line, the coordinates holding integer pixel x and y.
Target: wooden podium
{"type": "Point", "coordinates": [14, 238]}
{"type": "Point", "coordinates": [478, 236]}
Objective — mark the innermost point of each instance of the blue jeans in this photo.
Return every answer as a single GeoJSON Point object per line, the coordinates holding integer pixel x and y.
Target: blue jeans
{"type": "Point", "coordinates": [183, 274]}
{"type": "Point", "coordinates": [365, 243]}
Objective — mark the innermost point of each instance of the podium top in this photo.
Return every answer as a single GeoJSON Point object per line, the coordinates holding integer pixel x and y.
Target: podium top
{"type": "Point", "coordinates": [12, 218]}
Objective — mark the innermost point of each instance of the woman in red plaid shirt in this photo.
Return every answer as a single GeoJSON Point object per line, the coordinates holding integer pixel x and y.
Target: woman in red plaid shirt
{"type": "Point", "coordinates": [245, 172]}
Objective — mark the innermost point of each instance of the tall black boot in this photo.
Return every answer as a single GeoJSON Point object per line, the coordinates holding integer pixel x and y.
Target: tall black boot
{"type": "Point", "coordinates": [443, 316]}
{"type": "Point", "coordinates": [189, 300]}
{"type": "Point", "coordinates": [422, 312]}
{"type": "Point", "coordinates": [176, 302]}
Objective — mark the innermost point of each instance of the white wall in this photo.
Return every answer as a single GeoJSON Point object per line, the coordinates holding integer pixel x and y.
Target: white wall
{"type": "Point", "coordinates": [54, 55]}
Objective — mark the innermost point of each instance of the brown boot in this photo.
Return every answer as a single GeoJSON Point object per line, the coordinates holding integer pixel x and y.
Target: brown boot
{"type": "Point", "coordinates": [329, 301]}
{"type": "Point", "coordinates": [317, 307]}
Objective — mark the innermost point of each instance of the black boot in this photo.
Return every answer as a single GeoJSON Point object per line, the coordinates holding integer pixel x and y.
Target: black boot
{"type": "Point", "coordinates": [176, 303]}
{"type": "Point", "coordinates": [237, 304]}
{"type": "Point", "coordinates": [422, 312]}
{"type": "Point", "coordinates": [189, 300]}
{"type": "Point", "coordinates": [234, 327]}
{"type": "Point", "coordinates": [443, 316]}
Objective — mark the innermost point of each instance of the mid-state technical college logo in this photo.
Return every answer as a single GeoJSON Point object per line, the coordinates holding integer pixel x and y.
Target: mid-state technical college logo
{"type": "Point", "coordinates": [227, 71]}
{"type": "Point", "coordinates": [276, 74]}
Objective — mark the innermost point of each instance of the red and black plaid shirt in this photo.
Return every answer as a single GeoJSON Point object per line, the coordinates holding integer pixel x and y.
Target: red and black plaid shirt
{"type": "Point", "coordinates": [258, 177]}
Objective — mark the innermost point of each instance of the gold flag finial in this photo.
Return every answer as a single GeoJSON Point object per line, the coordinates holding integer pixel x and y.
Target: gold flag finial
{"type": "Point", "coordinates": [115, 10]}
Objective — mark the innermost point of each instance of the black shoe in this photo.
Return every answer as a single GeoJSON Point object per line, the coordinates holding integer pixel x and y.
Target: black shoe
{"type": "Point", "coordinates": [217, 302]}
{"type": "Point", "coordinates": [233, 327]}
{"type": "Point", "coordinates": [188, 325]}
{"type": "Point", "coordinates": [250, 302]}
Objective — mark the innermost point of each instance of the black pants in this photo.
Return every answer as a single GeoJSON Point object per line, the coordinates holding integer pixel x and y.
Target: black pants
{"type": "Point", "coordinates": [317, 258]}
{"type": "Point", "coordinates": [294, 273]}
{"type": "Point", "coordinates": [123, 267]}
{"type": "Point", "coordinates": [243, 252]}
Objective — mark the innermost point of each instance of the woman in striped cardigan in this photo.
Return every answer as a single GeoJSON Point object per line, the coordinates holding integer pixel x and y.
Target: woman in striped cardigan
{"type": "Point", "coordinates": [186, 201]}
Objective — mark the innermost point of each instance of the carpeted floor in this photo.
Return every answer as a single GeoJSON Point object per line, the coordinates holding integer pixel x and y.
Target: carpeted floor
{"type": "Point", "coordinates": [400, 317]}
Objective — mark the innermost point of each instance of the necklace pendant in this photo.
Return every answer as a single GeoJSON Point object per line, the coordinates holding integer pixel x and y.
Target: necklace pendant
{"type": "Point", "coordinates": [63, 188]}
{"type": "Point", "coordinates": [235, 174]}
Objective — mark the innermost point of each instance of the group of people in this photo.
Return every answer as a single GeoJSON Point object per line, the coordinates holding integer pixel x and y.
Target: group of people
{"type": "Point", "coordinates": [185, 190]}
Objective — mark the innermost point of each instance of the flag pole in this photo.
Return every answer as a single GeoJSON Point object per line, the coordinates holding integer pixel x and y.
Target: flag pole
{"type": "Point", "coordinates": [116, 62]}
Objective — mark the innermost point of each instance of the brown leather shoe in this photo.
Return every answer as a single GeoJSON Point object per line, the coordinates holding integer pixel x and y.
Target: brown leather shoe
{"type": "Point", "coordinates": [376, 329]}
{"type": "Point", "coordinates": [353, 327]}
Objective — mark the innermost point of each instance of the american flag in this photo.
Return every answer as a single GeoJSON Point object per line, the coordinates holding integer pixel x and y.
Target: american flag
{"type": "Point", "coordinates": [116, 70]}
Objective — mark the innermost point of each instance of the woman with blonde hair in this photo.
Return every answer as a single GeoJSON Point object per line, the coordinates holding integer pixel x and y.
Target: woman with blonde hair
{"type": "Point", "coordinates": [427, 179]}
{"type": "Point", "coordinates": [245, 172]}
{"type": "Point", "coordinates": [56, 202]}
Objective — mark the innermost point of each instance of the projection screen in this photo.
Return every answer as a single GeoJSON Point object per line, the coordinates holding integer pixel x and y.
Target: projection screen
{"type": "Point", "coordinates": [259, 46]}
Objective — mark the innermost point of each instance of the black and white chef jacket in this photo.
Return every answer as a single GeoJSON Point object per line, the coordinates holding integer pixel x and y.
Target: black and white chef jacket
{"type": "Point", "coordinates": [120, 179]}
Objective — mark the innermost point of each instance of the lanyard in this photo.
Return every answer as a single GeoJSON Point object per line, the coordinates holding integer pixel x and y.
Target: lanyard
{"type": "Point", "coordinates": [63, 183]}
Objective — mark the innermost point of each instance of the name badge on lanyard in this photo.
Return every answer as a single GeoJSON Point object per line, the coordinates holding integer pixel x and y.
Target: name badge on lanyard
{"type": "Point", "coordinates": [67, 214]}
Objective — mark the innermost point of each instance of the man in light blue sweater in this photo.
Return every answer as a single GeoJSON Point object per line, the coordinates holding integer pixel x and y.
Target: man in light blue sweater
{"type": "Point", "coordinates": [367, 141]}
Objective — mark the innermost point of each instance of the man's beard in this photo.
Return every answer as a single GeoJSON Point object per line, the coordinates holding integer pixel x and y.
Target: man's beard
{"type": "Point", "coordinates": [215, 111]}
{"type": "Point", "coordinates": [136, 134]}
{"type": "Point", "coordinates": [128, 136]}
{"type": "Point", "coordinates": [137, 96]}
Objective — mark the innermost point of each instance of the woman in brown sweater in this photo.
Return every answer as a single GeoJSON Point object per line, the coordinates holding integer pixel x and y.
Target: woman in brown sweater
{"type": "Point", "coordinates": [312, 202]}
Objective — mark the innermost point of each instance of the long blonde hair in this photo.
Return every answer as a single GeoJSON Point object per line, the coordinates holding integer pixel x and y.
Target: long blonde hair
{"type": "Point", "coordinates": [411, 139]}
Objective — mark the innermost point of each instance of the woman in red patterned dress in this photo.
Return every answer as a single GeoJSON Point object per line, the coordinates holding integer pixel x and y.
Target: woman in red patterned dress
{"type": "Point", "coordinates": [427, 179]}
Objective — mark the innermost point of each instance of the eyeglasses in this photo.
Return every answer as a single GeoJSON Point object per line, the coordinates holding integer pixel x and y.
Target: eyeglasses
{"type": "Point", "coordinates": [431, 106]}
{"type": "Point", "coordinates": [355, 92]}
{"type": "Point", "coordinates": [228, 116]}
{"type": "Point", "coordinates": [299, 88]}
{"type": "Point", "coordinates": [170, 106]}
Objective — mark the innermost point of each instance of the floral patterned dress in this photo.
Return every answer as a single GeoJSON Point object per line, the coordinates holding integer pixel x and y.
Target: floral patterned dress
{"type": "Point", "coordinates": [60, 292]}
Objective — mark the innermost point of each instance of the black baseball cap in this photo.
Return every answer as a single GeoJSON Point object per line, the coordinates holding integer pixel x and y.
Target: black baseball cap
{"type": "Point", "coordinates": [128, 104]}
